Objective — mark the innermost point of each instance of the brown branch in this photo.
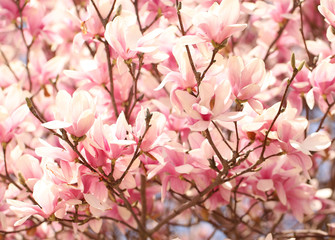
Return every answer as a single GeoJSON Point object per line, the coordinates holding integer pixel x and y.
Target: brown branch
{"type": "Point", "coordinates": [212, 61]}
{"type": "Point", "coordinates": [222, 160]}
{"type": "Point", "coordinates": [195, 72]}
{"type": "Point", "coordinates": [302, 234]}
{"type": "Point", "coordinates": [143, 231]}
{"type": "Point", "coordinates": [137, 152]}
{"type": "Point", "coordinates": [279, 33]}
{"type": "Point", "coordinates": [325, 116]}
{"type": "Point", "coordinates": [111, 82]}
{"type": "Point", "coordinates": [135, 3]}
{"type": "Point", "coordinates": [92, 52]}
{"type": "Point", "coordinates": [280, 110]}
{"type": "Point", "coordinates": [187, 205]}
{"type": "Point", "coordinates": [130, 107]}
{"type": "Point", "coordinates": [8, 65]}
{"type": "Point", "coordinates": [143, 200]}
{"type": "Point", "coordinates": [28, 46]}
{"type": "Point", "coordinates": [311, 64]}
{"type": "Point", "coordinates": [104, 22]}
{"type": "Point", "coordinates": [22, 230]}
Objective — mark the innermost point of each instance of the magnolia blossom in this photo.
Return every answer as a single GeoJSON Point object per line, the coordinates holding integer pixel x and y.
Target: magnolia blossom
{"type": "Point", "coordinates": [246, 80]}
{"type": "Point", "coordinates": [12, 111]}
{"type": "Point", "coordinates": [231, 145]}
{"type": "Point", "coordinates": [220, 22]}
{"type": "Point", "coordinates": [75, 114]}
{"type": "Point", "coordinates": [323, 82]}
{"type": "Point", "coordinates": [327, 9]}
{"type": "Point", "coordinates": [213, 103]}
{"type": "Point", "coordinates": [125, 37]}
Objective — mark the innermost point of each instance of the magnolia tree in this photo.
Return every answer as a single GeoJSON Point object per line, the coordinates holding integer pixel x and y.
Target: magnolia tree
{"type": "Point", "coordinates": [167, 119]}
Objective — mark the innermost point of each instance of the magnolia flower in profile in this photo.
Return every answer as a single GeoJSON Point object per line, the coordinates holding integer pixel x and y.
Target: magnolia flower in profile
{"type": "Point", "coordinates": [219, 23]}
{"type": "Point", "coordinates": [12, 111]}
{"type": "Point", "coordinates": [247, 80]}
{"type": "Point", "coordinates": [327, 9]}
{"type": "Point", "coordinates": [75, 114]}
{"type": "Point", "coordinates": [125, 37]}
{"type": "Point", "coordinates": [323, 83]}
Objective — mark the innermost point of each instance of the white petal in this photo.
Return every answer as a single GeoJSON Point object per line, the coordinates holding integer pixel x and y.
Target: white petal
{"type": "Point", "coordinates": [56, 124]}
{"type": "Point", "coordinates": [316, 142]}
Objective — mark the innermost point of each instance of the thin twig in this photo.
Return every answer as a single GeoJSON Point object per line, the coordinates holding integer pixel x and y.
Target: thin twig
{"type": "Point", "coordinates": [8, 65]}
{"type": "Point", "coordinates": [279, 33]}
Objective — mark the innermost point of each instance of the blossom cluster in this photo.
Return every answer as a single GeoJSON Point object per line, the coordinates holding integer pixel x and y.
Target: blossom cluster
{"type": "Point", "coordinates": [167, 119]}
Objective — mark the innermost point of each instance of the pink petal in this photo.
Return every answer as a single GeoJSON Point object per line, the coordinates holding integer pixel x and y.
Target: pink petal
{"type": "Point", "coordinates": [21, 221]}
{"type": "Point", "coordinates": [85, 122]}
{"type": "Point", "coordinates": [187, 100]}
{"type": "Point", "coordinates": [187, 168]}
{"type": "Point", "coordinates": [95, 202]}
{"type": "Point", "coordinates": [231, 116]}
{"type": "Point", "coordinates": [265, 184]}
{"type": "Point", "coordinates": [316, 142]}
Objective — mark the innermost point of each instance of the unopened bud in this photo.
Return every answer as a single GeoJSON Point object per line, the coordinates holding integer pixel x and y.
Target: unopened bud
{"type": "Point", "coordinates": [301, 65]}
{"type": "Point", "coordinates": [293, 61]}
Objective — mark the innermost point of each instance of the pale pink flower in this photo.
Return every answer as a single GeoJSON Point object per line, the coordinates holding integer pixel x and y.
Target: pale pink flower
{"type": "Point", "coordinates": [175, 167]}
{"type": "Point", "coordinates": [44, 70]}
{"type": "Point", "coordinates": [113, 140]}
{"type": "Point", "coordinates": [30, 169]}
{"type": "Point", "coordinates": [296, 196]}
{"type": "Point", "coordinates": [323, 78]}
{"type": "Point", "coordinates": [213, 103]}
{"type": "Point", "coordinates": [13, 111]}
{"type": "Point", "coordinates": [323, 82]}
{"type": "Point", "coordinates": [75, 114]}
{"type": "Point", "coordinates": [247, 80]}
{"type": "Point", "coordinates": [281, 10]}
{"type": "Point", "coordinates": [155, 136]}
{"type": "Point", "coordinates": [125, 37]}
{"type": "Point", "coordinates": [220, 22]}
{"type": "Point", "coordinates": [327, 9]}
{"type": "Point", "coordinates": [45, 193]}
{"type": "Point", "coordinates": [90, 23]}
{"type": "Point", "coordinates": [297, 148]}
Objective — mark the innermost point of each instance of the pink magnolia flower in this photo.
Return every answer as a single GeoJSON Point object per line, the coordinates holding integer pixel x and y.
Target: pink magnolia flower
{"type": "Point", "coordinates": [165, 7]}
{"type": "Point", "coordinates": [213, 103]}
{"type": "Point", "coordinates": [75, 114]}
{"type": "Point", "coordinates": [46, 195]}
{"type": "Point", "coordinates": [182, 79]}
{"type": "Point", "coordinates": [12, 111]}
{"type": "Point", "coordinates": [93, 189]}
{"type": "Point", "coordinates": [302, 87]}
{"type": "Point", "coordinates": [30, 169]}
{"type": "Point", "coordinates": [175, 167]}
{"type": "Point", "coordinates": [281, 10]}
{"type": "Point", "coordinates": [246, 80]}
{"type": "Point", "coordinates": [220, 22]}
{"type": "Point", "coordinates": [113, 140]}
{"type": "Point", "coordinates": [296, 196]}
{"type": "Point", "coordinates": [155, 136]}
{"type": "Point", "coordinates": [327, 9]}
{"type": "Point", "coordinates": [278, 175]}
{"type": "Point", "coordinates": [90, 23]}
{"type": "Point", "coordinates": [323, 82]}
{"type": "Point", "coordinates": [125, 37]}
{"type": "Point", "coordinates": [296, 146]}
{"type": "Point", "coordinates": [44, 70]}
{"type": "Point", "coordinates": [323, 78]}
{"type": "Point", "coordinates": [95, 71]}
